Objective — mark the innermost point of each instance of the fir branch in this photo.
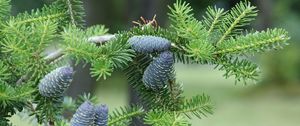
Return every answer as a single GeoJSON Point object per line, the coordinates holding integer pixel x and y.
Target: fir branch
{"type": "Point", "coordinates": [184, 23]}
{"type": "Point", "coordinates": [183, 57]}
{"type": "Point", "coordinates": [242, 70]}
{"type": "Point", "coordinates": [200, 50]}
{"type": "Point", "coordinates": [96, 30]}
{"type": "Point", "coordinates": [76, 45]}
{"type": "Point", "coordinates": [71, 12]}
{"type": "Point", "coordinates": [118, 51]}
{"type": "Point", "coordinates": [134, 74]}
{"type": "Point", "coordinates": [4, 9]}
{"type": "Point", "coordinates": [26, 50]}
{"type": "Point", "coordinates": [50, 58]}
{"type": "Point", "coordinates": [123, 115]}
{"type": "Point", "coordinates": [94, 39]}
{"type": "Point", "coordinates": [19, 93]}
{"type": "Point", "coordinates": [104, 58]}
{"type": "Point", "coordinates": [4, 73]}
{"type": "Point", "coordinates": [213, 18]}
{"type": "Point", "coordinates": [48, 109]}
{"type": "Point", "coordinates": [74, 9]}
{"type": "Point", "coordinates": [4, 121]}
{"type": "Point", "coordinates": [239, 16]}
{"type": "Point", "coordinates": [165, 118]}
{"type": "Point", "coordinates": [45, 33]}
{"type": "Point", "coordinates": [199, 106]}
{"type": "Point", "coordinates": [254, 42]}
{"type": "Point", "coordinates": [51, 12]}
{"type": "Point", "coordinates": [174, 93]}
{"type": "Point", "coordinates": [191, 40]}
{"type": "Point", "coordinates": [101, 68]}
{"type": "Point", "coordinates": [53, 56]}
{"type": "Point", "coordinates": [180, 13]}
{"type": "Point", "coordinates": [189, 28]}
{"type": "Point", "coordinates": [13, 99]}
{"type": "Point", "coordinates": [18, 38]}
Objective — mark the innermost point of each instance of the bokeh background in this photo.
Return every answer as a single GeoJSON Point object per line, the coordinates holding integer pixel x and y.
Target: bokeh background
{"type": "Point", "coordinates": [272, 101]}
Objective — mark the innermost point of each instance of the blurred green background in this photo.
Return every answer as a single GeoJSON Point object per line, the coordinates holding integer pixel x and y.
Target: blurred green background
{"type": "Point", "coordinates": [273, 101]}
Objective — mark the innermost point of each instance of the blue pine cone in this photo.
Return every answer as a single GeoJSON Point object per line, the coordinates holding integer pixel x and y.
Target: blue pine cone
{"type": "Point", "coordinates": [159, 71]}
{"type": "Point", "coordinates": [149, 44]}
{"type": "Point", "coordinates": [101, 117]}
{"type": "Point", "coordinates": [56, 82]}
{"type": "Point", "coordinates": [84, 116]}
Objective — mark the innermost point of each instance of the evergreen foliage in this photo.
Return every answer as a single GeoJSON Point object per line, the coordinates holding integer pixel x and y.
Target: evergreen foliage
{"type": "Point", "coordinates": [146, 53]}
{"type": "Point", "coordinates": [254, 42]}
{"type": "Point", "coordinates": [4, 9]}
{"type": "Point", "coordinates": [13, 99]}
{"type": "Point", "coordinates": [4, 73]}
{"type": "Point", "coordinates": [234, 21]}
{"type": "Point", "coordinates": [161, 118]}
{"type": "Point", "coordinates": [124, 115]}
{"type": "Point", "coordinates": [74, 11]}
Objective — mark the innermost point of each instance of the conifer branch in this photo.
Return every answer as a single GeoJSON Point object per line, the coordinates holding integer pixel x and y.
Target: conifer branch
{"type": "Point", "coordinates": [53, 56]}
{"type": "Point", "coordinates": [71, 12]}
{"type": "Point", "coordinates": [12, 99]}
{"type": "Point", "coordinates": [188, 27]}
{"type": "Point", "coordinates": [51, 12]}
{"type": "Point", "coordinates": [31, 20]}
{"type": "Point", "coordinates": [8, 93]}
{"type": "Point", "coordinates": [165, 118]}
{"type": "Point", "coordinates": [122, 115]}
{"type": "Point", "coordinates": [236, 18]}
{"type": "Point", "coordinates": [242, 70]}
{"type": "Point", "coordinates": [146, 51]}
{"type": "Point", "coordinates": [213, 18]}
{"type": "Point", "coordinates": [74, 9]}
{"type": "Point", "coordinates": [58, 54]}
{"type": "Point", "coordinates": [199, 106]}
{"type": "Point", "coordinates": [4, 73]}
{"type": "Point", "coordinates": [4, 9]}
{"type": "Point", "coordinates": [184, 23]}
{"type": "Point", "coordinates": [254, 42]}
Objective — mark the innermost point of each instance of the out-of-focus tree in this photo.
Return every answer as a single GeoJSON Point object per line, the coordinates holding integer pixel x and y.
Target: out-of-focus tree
{"type": "Point", "coordinates": [283, 67]}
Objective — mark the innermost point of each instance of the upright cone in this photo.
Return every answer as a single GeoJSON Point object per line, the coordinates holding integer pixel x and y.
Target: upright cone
{"type": "Point", "coordinates": [159, 71]}
{"type": "Point", "coordinates": [149, 44]}
{"type": "Point", "coordinates": [101, 115]}
{"type": "Point", "coordinates": [56, 82]}
{"type": "Point", "coordinates": [84, 116]}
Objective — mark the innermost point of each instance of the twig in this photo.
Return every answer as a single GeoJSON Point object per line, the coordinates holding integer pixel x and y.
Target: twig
{"type": "Point", "coordinates": [101, 39]}
{"type": "Point", "coordinates": [59, 53]}
{"type": "Point", "coordinates": [54, 56]}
